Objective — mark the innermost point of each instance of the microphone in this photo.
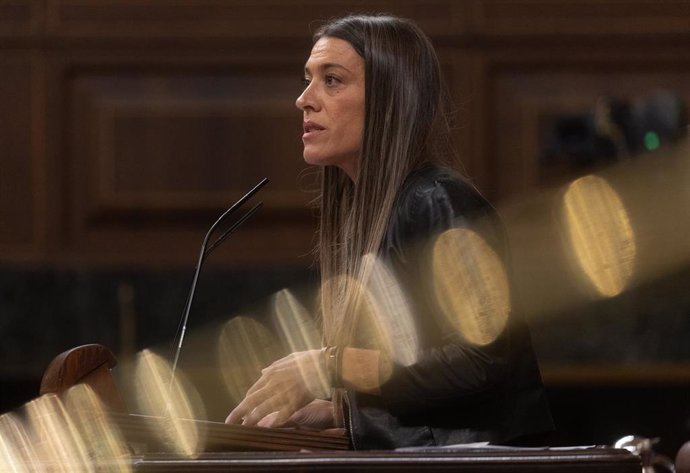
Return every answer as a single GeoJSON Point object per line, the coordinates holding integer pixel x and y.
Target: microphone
{"type": "Point", "coordinates": [205, 251]}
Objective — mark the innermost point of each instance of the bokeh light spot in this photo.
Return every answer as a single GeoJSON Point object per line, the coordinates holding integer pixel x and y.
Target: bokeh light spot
{"type": "Point", "coordinates": [470, 285]}
{"type": "Point", "coordinates": [599, 234]}
{"type": "Point", "coordinates": [104, 444]}
{"type": "Point", "coordinates": [244, 348]}
{"type": "Point", "coordinates": [55, 437]}
{"type": "Point", "coordinates": [17, 453]}
{"type": "Point", "coordinates": [299, 332]}
{"type": "Point", "coordinates": [652, 141]}
{"type": "Point", "coordinates": [295, 326]}
{"type": "Point", "coordinates": [170, 402]}
{"type": "Point", "coordinates": [390, 312]}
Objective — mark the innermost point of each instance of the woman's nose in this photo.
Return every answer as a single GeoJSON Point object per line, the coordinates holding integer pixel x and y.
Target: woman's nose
{"type": "Point", "coordinates": [306, 100]}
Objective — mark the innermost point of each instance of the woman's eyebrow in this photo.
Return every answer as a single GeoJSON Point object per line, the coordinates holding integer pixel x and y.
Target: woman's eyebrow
{"type": "Point", "coordinates": [326, 66]}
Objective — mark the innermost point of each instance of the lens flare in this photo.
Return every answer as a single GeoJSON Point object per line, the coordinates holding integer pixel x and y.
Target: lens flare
{"type": "Point", "coordinates": [599, 234]}
{"type": "Point", "coordinates": [470, 285]}
{"type": "Point", "coordinates": [104, 444]}
{"type": "Point", "coordinates": [383, 316]}
{"type": "Point", "coordinates": [390, 312]}
{"type": "Point", "coordinates": [171, 403]}
{"type": "Point", "coordinates": [245, 347]}
{"type": "Point", "coordinates": [294, 323]}
{"type": "Point", "coordinates": [355, 307]}
{"type": "Point", "coordinates": [17, 454]}
{"type": "Point", "coordinates": [55, 437]}
{"type": "Point", "coordinates": [352, 304]}
{"type": "Point", "coordinates": [298, 330]}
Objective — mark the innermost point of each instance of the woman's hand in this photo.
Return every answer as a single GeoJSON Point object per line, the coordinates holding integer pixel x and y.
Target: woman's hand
{"type": "Point", "coordinates": [318, 414]}
{"type": "Point", "coordinates": [284, 387]}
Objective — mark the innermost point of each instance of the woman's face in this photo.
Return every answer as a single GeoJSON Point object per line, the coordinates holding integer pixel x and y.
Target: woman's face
{"type": "Point", "coordinates": [333, 105]}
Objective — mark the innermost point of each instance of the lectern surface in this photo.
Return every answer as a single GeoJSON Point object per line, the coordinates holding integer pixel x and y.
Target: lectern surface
{"type": "Point", "coordinates": [576, 460]}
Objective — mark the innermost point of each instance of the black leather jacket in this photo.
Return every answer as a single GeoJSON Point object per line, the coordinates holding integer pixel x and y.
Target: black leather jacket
{"type": "Point", "coordinates": [455, 392]}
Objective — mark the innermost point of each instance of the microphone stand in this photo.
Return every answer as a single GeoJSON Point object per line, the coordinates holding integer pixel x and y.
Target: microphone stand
{"type": "Point", "coordinates": [205, 251]}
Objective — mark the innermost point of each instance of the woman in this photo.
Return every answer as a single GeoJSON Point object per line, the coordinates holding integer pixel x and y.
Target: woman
{"type": "Point", "coordinates": [375, 123]}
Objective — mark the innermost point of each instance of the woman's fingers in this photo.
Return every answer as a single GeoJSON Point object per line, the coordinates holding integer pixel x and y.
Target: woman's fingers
{"type": "Point", "coordinates": [275, 419]}
{"type": "Point", "coordinates": [268, 407]}
{"type": "Point", "coordinates": [247, 405]}
{"type": "Point", "coordinates": [273, 396]}
{"type": "Point", "coordinates": [317, 415]}
{"type": "Point", "coordinates": [284, 386]}
{"type": "Point", "coordinates": [269, 420]}
{"type": "Point", "coordinates": [234, 417]}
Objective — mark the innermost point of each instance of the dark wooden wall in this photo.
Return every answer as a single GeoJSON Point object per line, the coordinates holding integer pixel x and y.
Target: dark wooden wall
{"type": "Point", "coordinates": [126, 126]}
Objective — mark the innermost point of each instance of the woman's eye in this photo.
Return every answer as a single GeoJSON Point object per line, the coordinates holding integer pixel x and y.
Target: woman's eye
{"type": "Point", "coordinates": [332, 80]}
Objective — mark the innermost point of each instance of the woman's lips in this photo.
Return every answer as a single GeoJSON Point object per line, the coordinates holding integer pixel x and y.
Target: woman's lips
{"type": "Point", "coordinates": [311, 129]}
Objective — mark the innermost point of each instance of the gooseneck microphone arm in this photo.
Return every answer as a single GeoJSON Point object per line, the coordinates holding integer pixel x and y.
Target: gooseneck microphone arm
{"type": "Point", "coordinates": [205, 251]}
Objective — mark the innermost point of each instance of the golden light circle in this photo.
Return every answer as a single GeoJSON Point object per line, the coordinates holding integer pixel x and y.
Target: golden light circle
{"type": "Point", "coordinates": [599, 234]}
{"type": "Point", "coordinates": [245, 347]}
{"type": "Point", "coordinates": [171, 402]}
{"type": "Point", "coordinates": [470, 285]}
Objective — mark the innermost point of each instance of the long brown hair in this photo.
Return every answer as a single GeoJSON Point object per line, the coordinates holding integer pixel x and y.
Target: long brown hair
{"type": "Point", "coordinates": [405, 127]}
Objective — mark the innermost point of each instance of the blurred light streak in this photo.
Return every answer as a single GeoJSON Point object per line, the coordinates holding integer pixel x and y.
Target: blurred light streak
{"type": "Point", "coordinates": [391, 312]}
{"type": "Point", "coordinates": [599, 234]}
{"type": "Point", "coordinates": [102, 439]}
{"type": "Point", "coordinates": [357, 311]}
{"type": "Point", "coordinates": [17, 454]}
{"type": "Point", "coordinates": [171, 404]}
{"type": "Point", "coordinates": [295, 325]}
{"type": "Point", "coordinates": [370, 327]}
{"type": "Point", "coordinates": [244, 348]}
{"type": "Point", "coordinates": [656, 193]}
{"type": "Point", "coordinates": [470, 285]}
{"type": "Point", "coordinates": [299, 331]}
{"type": "Point", "coordinates": [55, 436]}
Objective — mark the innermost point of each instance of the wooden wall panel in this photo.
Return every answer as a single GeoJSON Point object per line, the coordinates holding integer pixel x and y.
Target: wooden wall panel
{"type": "Point", "coordinates": [173, 145]}
{"type": "Point", "coordinates": [18, 183]}
{"type": "Point", "coordinates": [185, 139]}
{"type": "Point", "coordinates": [529, 92]}
{"type": "Point", "coordinates": [229, 19]}
{"type": "Point", "coordinates": [580, 18]}
{"type": "Point", "coordinates": [158, 113]}
{"type": "Point", "coordinates": [20, 18]}
{"type": "Point", "coordinates": [458, 68]}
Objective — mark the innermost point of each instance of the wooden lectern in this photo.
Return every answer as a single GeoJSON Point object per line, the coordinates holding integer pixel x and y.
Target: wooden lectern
{"type": "Point", "coordinates": [254, 449]}
{"type": "Point", "coordinates": [92, 365]}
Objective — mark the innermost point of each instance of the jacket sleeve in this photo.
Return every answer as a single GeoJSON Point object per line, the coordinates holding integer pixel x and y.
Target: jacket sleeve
{"type": "Point", "coordinates": [447, 368]}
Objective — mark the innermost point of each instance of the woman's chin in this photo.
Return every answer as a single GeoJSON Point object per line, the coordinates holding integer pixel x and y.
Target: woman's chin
{"type": "Point", "coordinates": [347, 164]}
{"type": "Point", "coordinates": [315, 160]}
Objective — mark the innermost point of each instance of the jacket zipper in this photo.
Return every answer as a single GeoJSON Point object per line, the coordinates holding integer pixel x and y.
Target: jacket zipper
{"type": "Point", "coordinates": [349, 418]}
